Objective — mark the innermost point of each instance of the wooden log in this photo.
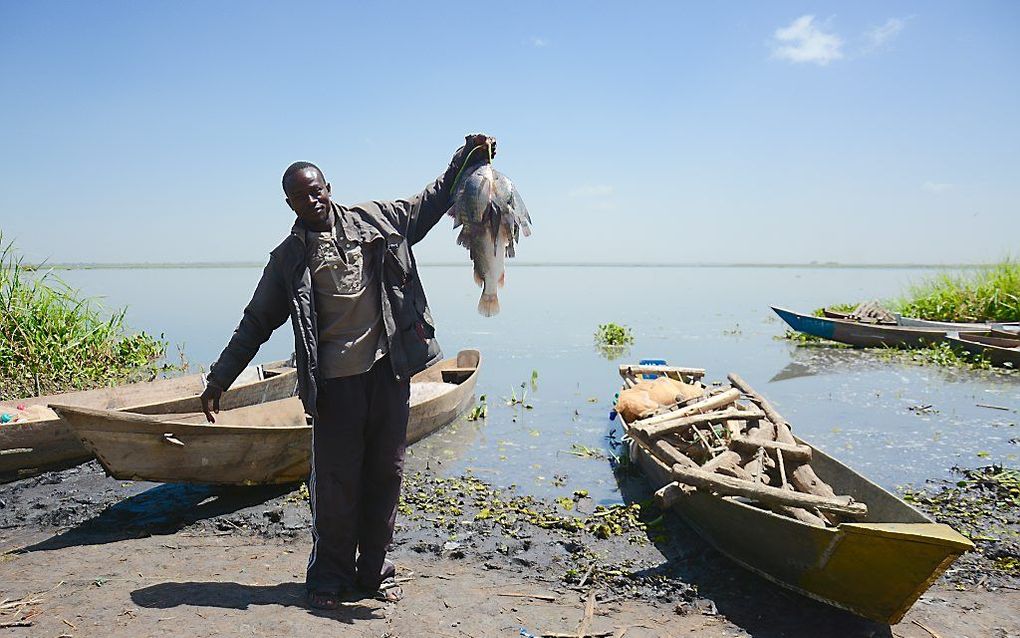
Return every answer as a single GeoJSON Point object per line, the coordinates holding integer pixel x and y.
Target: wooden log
{"type": "Point", "coordinates": [803, 478]}
{"type": "Point", "coordinates": [662, 450]}
{"type": "Point", "coordinates": [782, 469]}
{"type": "Point", "coordinates": [667, 495]}
{"type": "Point", "coordinates": [735, 471]}
{"type": "Point", "coordinates": [727, 457]}
{"type": "Point", "coordinates": [729, 486]}
{"type": "Point", "coordinates": [757, 465]}
{"type": "Point", "coordinates": [800, 514]}
{"type": "Point", "coordinates": [708, 404]}
{"type": "Point", "coordinates": [728, 463]}
{"type": "Point", "coordinates": [690, 373]}
{"type": "Point", "coordinates": [679, 424]}
{"type": "Point", "coordinates": [757, 399]}
{"type": "Point", "coordinates": [762, 430]}
{"type": "Point", "coordinates": [669, 452]}
{"type": "Point", "coordinates": [791, 451]}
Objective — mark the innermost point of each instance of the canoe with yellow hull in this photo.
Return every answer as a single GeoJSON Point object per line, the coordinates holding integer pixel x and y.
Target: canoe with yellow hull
{"type": "Point", "coordinates": [876, 568]}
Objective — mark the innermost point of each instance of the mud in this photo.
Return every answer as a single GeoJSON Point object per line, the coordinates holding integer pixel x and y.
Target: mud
{"type": "Point", "coordinates": [231, 560]}
{"type": "Point", "coordinates": [984, 505]}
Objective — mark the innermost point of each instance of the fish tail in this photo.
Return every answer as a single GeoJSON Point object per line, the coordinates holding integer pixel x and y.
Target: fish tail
{"type": "Point", "coordinates": [488, 305]}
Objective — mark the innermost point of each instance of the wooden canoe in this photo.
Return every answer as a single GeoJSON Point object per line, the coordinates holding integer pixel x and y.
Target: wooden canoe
{"type": "Point", "coordinates": [913, 322]}
{"type": "Point", "coordinates": [257, 445]}
{"type": "Point", "coordinates": [876, 567]}
{"type": "Point", "coordinates": [1000, 348]}
{"type": "Point", "coordinates": [859, 334]}
{"type": "Point", "coordinates": [31, 447]}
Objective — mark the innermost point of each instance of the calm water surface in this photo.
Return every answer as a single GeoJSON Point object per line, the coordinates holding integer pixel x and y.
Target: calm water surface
{"type": "Point", "coordinates": [852, 404]}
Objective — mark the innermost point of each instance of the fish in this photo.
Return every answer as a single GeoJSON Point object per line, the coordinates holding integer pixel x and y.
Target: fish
{"type": "Point", "coordinates": [492, 217]}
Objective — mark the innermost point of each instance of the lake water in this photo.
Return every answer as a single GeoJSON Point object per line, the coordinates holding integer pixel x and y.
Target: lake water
{"type": "Point", "coordinates": [853, 404]}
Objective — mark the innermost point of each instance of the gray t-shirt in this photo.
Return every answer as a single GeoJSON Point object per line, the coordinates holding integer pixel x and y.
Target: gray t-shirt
{"type": "Point", "coordinates": [348, 307]}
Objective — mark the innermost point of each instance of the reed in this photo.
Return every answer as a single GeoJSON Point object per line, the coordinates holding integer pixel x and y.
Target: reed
{"type": "Point", "coordinates": [991, 293]}
{"type": "Point", "coordinates": [52, 339]}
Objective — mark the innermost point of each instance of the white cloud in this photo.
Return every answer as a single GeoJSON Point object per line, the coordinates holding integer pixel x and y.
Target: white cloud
{"type": "Point", "coordinates": [935, 187]}
{"type": "Point", "coordinates": [538, 42]}
{"type": "Point", "coordinates": [877, 37]}
{"type": "Point", "coordinates": [804, 41]}
{"type": "Point", "coordinates": [588, 191]}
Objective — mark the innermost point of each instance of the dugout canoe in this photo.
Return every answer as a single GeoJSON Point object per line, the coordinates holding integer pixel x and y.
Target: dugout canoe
{"type": "Point", "coordinates": [914, 322]}
{"type": "Point", "coordinates": [876, 567]}
{"type": "Point", "coordinates": [28, 448]}
{"type": "Point", "coordinates": [859, 334]}
{"type": "Point", "coordinates": [999, 348]}
{"type": "Point", "coordinates": [262, 444]}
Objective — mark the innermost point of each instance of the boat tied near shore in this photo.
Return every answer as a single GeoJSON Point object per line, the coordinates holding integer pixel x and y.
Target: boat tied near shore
{"type": "Point", "coordinates": [268, 443]}
{"type": "Point", "coordinates": [42, 440]}
{"type": "Point", "coordinates": [728, 463]}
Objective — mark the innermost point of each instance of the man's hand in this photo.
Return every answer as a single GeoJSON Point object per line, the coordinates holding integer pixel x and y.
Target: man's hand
{"type": "Point", "coordinates": [480, 139]}
{"type": "Point", "coordinates": [211, 395]}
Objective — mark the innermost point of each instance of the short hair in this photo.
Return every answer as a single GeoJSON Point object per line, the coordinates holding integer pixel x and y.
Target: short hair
{"type": "Point", "coordinates": [299, 166]}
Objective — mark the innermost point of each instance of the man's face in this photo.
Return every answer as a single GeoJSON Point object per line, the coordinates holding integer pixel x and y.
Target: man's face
{"type": "Point", "coordinates": [308, 196]}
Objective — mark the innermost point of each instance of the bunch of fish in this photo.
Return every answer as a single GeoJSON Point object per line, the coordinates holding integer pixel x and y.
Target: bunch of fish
{"type": "Point", "coordinates": [493, 217]}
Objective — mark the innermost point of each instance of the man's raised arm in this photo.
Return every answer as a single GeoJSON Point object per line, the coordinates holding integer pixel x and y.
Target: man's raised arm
{"type": "Point", "coordinates": [416, 216]}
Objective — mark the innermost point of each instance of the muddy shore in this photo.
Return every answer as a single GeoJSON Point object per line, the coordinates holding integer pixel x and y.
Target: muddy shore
{"type": "Point", "coordinates": [106, 557]}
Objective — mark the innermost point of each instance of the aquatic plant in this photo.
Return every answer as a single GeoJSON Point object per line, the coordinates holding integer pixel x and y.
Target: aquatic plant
{"type": "Point", "coordinates": [943, 354]}
{"type": "Point", "coordinates": [52, 339]}
{"type": "Point", "coordinates": [984, 505]}
{"type": "Point", "coordinates": [442, 500]}
{"type": "Point", "coordinates": [990, 293]}
{"type": "Point", "coordinates": [585, 451]}
{"type": "Point", "coordinates": [612, 334]}
{"type": "Point", "coordinates": [480, 411]}
{"type": "Point", "coordinates": [612, 340]}
{"type": "Point", "coordinates": [514, 400]}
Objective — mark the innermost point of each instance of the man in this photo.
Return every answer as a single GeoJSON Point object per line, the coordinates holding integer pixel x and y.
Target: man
{"type": "Point", "coordinates": [348, 280]}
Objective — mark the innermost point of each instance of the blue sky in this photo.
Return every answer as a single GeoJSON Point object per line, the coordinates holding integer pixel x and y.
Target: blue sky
{"type": "Point", "coordinates": [654, 132]}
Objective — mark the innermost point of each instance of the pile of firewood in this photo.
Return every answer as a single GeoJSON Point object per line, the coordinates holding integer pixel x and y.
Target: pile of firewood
{"type": "Point", "coordinates": [730, 441]}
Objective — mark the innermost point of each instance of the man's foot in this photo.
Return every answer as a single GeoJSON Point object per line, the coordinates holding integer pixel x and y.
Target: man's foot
{"type": "Point", "coordinates": [389, 592]}
{"type": "Point", "coordinates": [327, 600]}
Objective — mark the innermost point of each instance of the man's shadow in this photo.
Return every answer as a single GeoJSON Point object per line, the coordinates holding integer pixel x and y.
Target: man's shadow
{"type": "Point", "coordinates": [163, 509]}
{"type": "Point", "coordinates": [230, 595]}
{"type": "Point", "coordinates": [762, 608]}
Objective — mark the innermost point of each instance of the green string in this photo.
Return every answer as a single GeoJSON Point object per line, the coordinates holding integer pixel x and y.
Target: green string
{"type": "Point", "coordinates": [488, 147]}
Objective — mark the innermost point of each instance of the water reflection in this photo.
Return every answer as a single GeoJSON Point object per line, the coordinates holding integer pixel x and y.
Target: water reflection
{"type": "Point", "coordinates": [854, 404]}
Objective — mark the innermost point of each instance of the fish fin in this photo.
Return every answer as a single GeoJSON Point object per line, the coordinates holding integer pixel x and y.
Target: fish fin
{"type": "Point", "coordinates": [488, 305]}
{"type": "Point", "coordinates": [502, 279]}
{"type": "Point", "coordinates": [478, 278]}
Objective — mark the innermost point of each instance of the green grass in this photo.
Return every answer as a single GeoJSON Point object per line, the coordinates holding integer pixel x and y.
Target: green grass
{"type": "Point", "coordinates": [987, 294]}
{"type": "Point", "coordinates": [53, 340]}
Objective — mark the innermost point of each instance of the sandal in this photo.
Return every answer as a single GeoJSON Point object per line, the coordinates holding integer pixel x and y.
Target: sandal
{"type": "Point", "coordinates": [328, 600]}
{"type": "Point", "coordinates": [389, 592]}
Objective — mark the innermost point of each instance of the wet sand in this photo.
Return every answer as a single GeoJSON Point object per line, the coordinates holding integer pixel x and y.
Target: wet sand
{"type": "Point", "coordinates": [106, 557]}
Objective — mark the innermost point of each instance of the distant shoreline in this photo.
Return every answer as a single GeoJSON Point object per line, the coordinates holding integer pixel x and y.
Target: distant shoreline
{"type": "Point", "coordinates": [516, 264]}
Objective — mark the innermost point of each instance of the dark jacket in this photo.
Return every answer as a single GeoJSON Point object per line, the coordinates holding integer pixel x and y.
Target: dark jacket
{"type": "Point", "coordinates": [286, 290]}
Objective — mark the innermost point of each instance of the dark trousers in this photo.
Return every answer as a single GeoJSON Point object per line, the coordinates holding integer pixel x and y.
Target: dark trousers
{"type": "Point", "coordinates": [358, 443]}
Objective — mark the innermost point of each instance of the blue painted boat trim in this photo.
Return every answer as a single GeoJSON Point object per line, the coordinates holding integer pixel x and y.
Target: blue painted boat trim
{"type": "Point", "coordinates": [815, 326]}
